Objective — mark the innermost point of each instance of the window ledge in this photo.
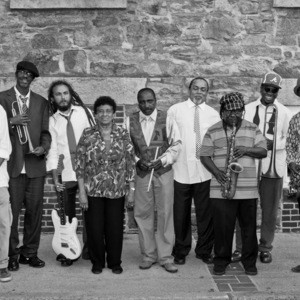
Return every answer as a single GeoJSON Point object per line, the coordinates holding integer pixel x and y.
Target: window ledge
{"type": "Point", "coordinates": [67, 4]}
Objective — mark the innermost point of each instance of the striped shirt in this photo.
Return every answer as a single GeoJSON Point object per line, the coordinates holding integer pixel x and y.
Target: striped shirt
{"type": "Point", "coordinates": [215, 146]}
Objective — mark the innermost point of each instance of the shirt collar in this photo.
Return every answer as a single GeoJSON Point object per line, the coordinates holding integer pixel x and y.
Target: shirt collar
{"type": "Point", "coordinates": [73, 107]}
{"type": "Point", "coordinates": [191, 104]}
{"type": "Point", "coordinates": [153, 116]}
{"type": "Point", "coordinates": [258, 102]}
{"type": "Point", "coordinates": [18, 94]}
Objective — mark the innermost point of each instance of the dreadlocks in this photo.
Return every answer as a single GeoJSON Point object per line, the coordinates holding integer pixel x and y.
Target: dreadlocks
{"type": "Point", "coordinates": [75, 99]}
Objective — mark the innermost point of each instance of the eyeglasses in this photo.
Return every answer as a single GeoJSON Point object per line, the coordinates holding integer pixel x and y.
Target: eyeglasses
{"type": "Point", "coordinates": [271, 90]}
{"type": "Point", "coordinates": [27, 73]}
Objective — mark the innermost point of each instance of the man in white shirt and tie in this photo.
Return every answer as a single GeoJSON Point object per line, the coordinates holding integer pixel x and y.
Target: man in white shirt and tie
{"type": "Point", "coordinates": [191, 178]}
{"type": "Point", "coordinates": [69, 111]}
{"type": "Point", "coordinates": [256, 112]}
{"type": "Point", "coordinates": [157, 144]}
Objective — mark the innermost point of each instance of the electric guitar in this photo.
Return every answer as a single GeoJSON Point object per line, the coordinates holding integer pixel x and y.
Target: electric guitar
{"type": "Point", "coordinates": [65, 240]}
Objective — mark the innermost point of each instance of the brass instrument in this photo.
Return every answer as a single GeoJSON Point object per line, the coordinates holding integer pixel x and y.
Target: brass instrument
{"type": "Point", "coordinates": [22, 130]}
{"type": "Point", "coordinates": [232, 169]}
{"type": "Point", "coordinates": [271, 172]}
{"type": "Point", "coordinates": [270, 183]}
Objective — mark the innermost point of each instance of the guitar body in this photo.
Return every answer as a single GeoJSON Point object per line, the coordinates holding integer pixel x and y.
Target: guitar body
{"type": "Point", "coordinates": [65, 240]}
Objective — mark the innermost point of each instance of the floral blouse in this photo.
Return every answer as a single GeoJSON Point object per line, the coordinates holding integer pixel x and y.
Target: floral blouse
{"type": "Point", "coordinates": [293, 148]}
{"type": "Point", "coordinates": [105, 173]}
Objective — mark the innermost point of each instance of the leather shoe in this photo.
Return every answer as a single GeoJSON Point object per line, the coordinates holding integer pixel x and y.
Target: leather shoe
{"type": "Point", "coordinates": [179, 261]}
{"type": "Point", "coordinates": [13, 264]}
{"type": "Point", "coordinates": [265, 257]}
{"type": "Point", "coordinates": [33, 261]}
{"type": "Point", "coordinates": [219, 270]}
{"type": "Point", "coordinates": [146, 264]}
{"type": "Point", "coordinates": [251, 270]}
{"type": "Point", "coordinates": [236, 256]}
{"type": "Point", "coordinates": [170, 267]}
{"type": "Point", "coordinates": [117, 270]}
{"type": "Point", "coordinates": [296, 269]}
{"type": "Point", "coordinates": [208, 259]}
{"type": "Point", "coordinates": [96, 269]}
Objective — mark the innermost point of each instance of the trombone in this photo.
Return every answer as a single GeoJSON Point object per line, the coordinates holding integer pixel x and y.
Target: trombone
{"type": "Point", "coordinates": [22, 130]}
{"type": "Point", "coordinates": [269, 183]}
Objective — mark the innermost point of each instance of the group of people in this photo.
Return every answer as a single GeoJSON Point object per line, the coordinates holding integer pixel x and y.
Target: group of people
{"type": "Point", "coordinates": [158, 162]}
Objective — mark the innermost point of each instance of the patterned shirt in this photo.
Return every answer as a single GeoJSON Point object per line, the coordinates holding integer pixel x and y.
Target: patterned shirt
{"type": "Point", "coordinates": [215, 145]}
{"type": "Point", "coordinates": [105, 173]}
{"type": "Point", "coordinates": [293, 147]}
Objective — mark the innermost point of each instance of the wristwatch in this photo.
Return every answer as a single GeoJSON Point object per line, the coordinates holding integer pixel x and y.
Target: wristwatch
{"type": "Point", "coordinates": [132, 188]}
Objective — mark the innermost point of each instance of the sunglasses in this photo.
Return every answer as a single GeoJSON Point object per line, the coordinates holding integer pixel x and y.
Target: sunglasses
{"type": "Point", "coordinates": [271, 90]}
{"type": "Point", "coordinates": [24, 72]}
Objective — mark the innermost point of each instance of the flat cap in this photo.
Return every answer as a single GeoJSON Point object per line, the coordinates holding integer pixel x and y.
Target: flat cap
{"type": "Point", "coordinates": [28, 66]}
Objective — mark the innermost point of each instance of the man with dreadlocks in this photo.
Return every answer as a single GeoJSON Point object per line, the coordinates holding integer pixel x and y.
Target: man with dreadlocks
{"type": "Point", "coordinates": [70, 117]}
{"type": "Point", "coordinates": [233, 139]}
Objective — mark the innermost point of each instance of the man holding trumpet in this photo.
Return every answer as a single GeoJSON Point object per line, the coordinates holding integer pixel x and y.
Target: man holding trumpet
{"type": "Point", "coordinates": [157, 144]}
{"type": "Point", "coordinates": [28, 118]}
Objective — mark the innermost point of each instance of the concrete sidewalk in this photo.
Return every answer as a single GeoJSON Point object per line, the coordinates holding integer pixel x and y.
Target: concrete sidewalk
{"type": "Point", "coordinates": [193, 280]}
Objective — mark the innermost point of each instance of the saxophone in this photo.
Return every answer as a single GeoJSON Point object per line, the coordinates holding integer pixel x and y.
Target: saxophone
{"type": "Point", "coordinates": [232, 169]}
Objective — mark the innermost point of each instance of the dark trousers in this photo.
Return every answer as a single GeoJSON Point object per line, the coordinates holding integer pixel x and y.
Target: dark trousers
{"type": "Point", "coordinates": [224, 213]}
{"type": "Point", "coordinates": [183, 195]}
{"type": "Point", "coordinates": [28, 192]}
{"type": "Point", "coordinates": [104, 226]}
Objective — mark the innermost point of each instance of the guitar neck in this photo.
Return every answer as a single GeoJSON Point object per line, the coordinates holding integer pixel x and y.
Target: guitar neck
{"type": "Point", "coordinates": [61, 204]}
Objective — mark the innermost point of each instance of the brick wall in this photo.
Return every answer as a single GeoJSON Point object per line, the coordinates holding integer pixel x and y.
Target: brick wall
{"type": "Point", "coordinates": [290, 213]}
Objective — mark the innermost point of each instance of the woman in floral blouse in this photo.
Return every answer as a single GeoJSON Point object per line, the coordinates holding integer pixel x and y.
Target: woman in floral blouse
{"type": "Point", "coordinates": [105, 169]}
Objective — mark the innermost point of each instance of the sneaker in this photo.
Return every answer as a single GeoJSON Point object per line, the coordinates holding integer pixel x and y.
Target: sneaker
{"type": "Point", "coordinates": [5, 276]}
{"type": "Point", "coordinates": [170, 267]}
{"type": "Point", "coordinates": [236, 256]}
{"type": "Point", "coordinates": [146, 264]}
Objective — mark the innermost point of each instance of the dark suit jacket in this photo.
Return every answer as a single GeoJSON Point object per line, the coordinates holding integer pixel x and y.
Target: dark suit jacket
{"type": "Point", "coordinates": [38, 130]}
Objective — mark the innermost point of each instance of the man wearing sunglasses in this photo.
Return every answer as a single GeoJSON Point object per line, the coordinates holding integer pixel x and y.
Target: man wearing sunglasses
{"type": "Point", "coordinates": [28, 121]}
{"type": "Point", "coordinates": [256, 113]}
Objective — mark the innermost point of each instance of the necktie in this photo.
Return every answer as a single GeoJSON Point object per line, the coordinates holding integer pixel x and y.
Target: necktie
{"type": "Point", "coordinates": [197, 131]}
{"type": "Point", "coordinates": [146, 127]}
{"type": "Point", "coordinates": [24, 105]}
{"type": "Point", "coordinates": [71, 139]}
{"type": "Point", "coordinates": [272, 122]}
{"type": "Point", "coordinates": [256, 116]}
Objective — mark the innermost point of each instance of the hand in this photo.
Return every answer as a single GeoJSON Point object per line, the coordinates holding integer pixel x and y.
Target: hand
{"type": "Point", "coordinates": [38, 151]}
{"type": "Point", "coordinates": [60, 186]}
{"type": "Point", "coordinates": [129, 199]}
{"type": "Point", "coordinates": [269, 144]}
{"type": "Point", "coordinates": [155, 164]}
{"type": "Point", "coordinates": [83, 201]}
{"type": "Point", "coordinates": [294, 167]}
{"type": "Point", "coordinates": [239, 151]}
{"type": "Point", "coordinates": [143, 165]}
{"type": "Point", "coordinates": [220, 176]}
{"type": "Point", "coordinates": [22, 119]}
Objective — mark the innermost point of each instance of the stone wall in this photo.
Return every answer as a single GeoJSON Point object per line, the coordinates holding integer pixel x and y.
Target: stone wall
{"type": "Point", "coordinates": [155, 43]}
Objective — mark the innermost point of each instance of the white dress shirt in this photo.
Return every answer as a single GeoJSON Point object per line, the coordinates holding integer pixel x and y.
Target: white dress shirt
{"type": "Point", "coordinates": [188, 169]}
{"type": "Point", "coordinates": [147, 124]}
{"type": "Point", "coordinates": [284, 116]}
{"type": "Point", "coordinates": [5, 147]}
{"type": "Point", "coordinates": [59, 144]}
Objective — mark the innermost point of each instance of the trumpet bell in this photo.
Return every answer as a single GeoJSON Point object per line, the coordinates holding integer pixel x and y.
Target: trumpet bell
{"type": "Point", "coordinates": [236, 167]}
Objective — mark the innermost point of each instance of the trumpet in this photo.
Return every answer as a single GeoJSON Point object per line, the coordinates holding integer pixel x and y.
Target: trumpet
{"type": "Point", "coordinates": [22, 130]}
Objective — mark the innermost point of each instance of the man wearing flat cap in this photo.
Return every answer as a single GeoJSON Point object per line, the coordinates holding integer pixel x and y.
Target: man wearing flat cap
{"type": "Point", "coordinates": [256, 112]}
{"type": "Point", "coordinates": [293, 154]}
{"type": "Point", "coordinates": [28, 118]}
{"type": "Point", "coordinates": [228, 151]}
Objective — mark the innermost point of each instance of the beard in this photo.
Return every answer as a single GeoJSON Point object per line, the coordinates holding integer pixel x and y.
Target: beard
{"type": "Point", "coordinates": [64, 107]}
